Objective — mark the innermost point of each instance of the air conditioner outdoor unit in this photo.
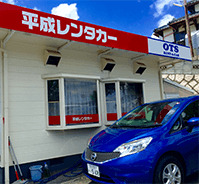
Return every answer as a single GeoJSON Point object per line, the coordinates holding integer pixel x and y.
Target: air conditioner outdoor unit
{"type": "Point", "coordinates": [107, 64]}
{"type": "Point", "coordinates": [138, 68]}
{"type": "Point", "coordinates": [52, 57]}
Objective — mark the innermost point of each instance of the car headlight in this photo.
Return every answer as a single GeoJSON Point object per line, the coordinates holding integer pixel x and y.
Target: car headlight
{"type": "Point", "coordinates": [133, 147]}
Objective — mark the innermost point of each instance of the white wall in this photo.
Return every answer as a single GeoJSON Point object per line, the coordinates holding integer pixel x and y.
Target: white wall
{"type": "Point", "coordinates": [168, 35]}
{"type": "Point", "coordinates": [30, 139]}
{"type": "Point", "coordinates": [197, 7]}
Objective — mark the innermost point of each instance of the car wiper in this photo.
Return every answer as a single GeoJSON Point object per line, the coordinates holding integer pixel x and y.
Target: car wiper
{"type": "Point", "coordinates": [115, 126]}
{"type": "Point", "coordinates": [141, 126]}
{"type": "Point", "coordinates": [124, 126]}
{"type": "Point", "coordinates": [150, 126]}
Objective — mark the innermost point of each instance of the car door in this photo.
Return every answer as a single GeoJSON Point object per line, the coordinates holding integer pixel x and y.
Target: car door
{"type": "Point", "coordinates": [186, 138]}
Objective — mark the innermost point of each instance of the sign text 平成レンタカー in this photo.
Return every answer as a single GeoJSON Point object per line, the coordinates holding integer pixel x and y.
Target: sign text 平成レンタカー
{"type": "Point", "coordinates": [37, 22]}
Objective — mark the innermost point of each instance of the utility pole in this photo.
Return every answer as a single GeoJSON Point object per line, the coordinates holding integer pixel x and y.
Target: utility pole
{"type": "Point", "coordinates": [188, 28]}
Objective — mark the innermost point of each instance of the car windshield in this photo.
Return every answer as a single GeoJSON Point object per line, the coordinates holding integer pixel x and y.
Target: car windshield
{"type": "Point", "coordinates": [148, 115]}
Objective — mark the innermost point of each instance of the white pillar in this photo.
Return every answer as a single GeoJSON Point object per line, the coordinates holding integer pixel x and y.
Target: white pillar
{"type": "Point", "coordinates": [161, 84]}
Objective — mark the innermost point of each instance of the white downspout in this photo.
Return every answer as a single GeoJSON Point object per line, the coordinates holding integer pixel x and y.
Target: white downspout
{"type": "Point", "coordinates": [5, 105]}
{"type": "Point", "coordinates": [5, 115]}
{"type": "Point", "coordinates": [5, 131]}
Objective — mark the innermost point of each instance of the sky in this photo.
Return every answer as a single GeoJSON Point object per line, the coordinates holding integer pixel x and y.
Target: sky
{"type": "Point", "coordinates": [134, 16]}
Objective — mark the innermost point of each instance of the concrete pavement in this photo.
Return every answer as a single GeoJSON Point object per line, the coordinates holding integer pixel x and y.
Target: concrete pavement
{"type": "Point", "coordinates": [82, 179]}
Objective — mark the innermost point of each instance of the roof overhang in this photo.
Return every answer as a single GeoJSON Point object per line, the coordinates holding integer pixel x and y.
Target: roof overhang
{"type": "Point", "coordinates": [26, 25]}
{"type": "Point", "coordinates": [176, 23]}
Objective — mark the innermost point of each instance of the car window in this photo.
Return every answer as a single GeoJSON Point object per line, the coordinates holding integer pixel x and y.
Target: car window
{"type": "Point", "coordinates": [177, 126]}
{"type": "Point", "coordinates": [192, 110]}
{"type": "Point", "coordinates": [147, 115]}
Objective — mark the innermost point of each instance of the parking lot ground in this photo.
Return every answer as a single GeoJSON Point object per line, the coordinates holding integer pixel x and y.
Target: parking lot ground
{"type": "Point", "coordinates": [82, 179]}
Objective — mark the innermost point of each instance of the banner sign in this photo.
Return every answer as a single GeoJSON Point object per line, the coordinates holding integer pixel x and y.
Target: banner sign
{"type": "Point", "coordinates": [78, 119]}
{"type": "Point", "coordinates": [168, 49]}
{"type": "Point", "coordinates": [37, 22]}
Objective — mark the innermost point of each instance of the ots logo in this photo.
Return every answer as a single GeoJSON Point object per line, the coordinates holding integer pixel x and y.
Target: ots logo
{"type": "Point", "coordinates": [170, 49]}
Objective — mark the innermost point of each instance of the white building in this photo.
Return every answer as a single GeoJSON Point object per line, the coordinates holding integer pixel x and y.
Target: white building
{"type": "Point", "coordinates": [184, 73]}
{"type": "Point", "coordinates": [50, 107]}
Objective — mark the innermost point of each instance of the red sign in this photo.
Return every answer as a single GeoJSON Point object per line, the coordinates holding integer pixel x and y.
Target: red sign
{"type": "Point", "coordinates": [75, 119]}
{"type": "Point", "coordinates": [36, 22]}
{"type": "Point", "coordinates": [78, 119]}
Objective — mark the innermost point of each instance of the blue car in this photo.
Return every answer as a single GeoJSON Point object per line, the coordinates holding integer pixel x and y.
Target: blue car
{"type": "Point", "coordinates": [156, 142]}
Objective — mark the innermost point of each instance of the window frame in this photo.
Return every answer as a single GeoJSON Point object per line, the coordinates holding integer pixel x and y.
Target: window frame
{"type": "Point", "coordinates": [118, 95]}
{"type": "Point", "coordinates": [63, 125]}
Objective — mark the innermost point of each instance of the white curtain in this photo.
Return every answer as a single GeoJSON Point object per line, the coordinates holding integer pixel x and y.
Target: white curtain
{"type": "Point", "coordinates": [111, 105]}
{"type": "Point", "coordinates": [131, 95]}
{"type": "Point", "coordinates": [80, 96]}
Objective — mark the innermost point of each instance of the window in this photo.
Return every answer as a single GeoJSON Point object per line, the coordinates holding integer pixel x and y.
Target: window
{"type": "Point", "coordinates": [80, 101]}
{"type": "Point", "coordinates": [177, 126]}
{"type": "Point", "coordinates": [120, 97]}
{"type": "Point", "coordinates": [131, 96]}
{"type": "Point", "coordinates": [192, 110]}
{"type": "Point", "coordinates": [53, 102]}
{"type": "Point", "coordinates": [180, 37]}
{"type": "Point", "coordinates": [72, 102]}
{"type": "Point", "coordinates": [111, 104]}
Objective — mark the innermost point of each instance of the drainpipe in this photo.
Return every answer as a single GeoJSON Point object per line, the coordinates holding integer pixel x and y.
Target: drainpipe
{"type": "Point", "coordinates": [5, 104]}
{"type": "Point", "coordinates": [5, 155]}
{"type": "Point", "coordinates": [5, 115]}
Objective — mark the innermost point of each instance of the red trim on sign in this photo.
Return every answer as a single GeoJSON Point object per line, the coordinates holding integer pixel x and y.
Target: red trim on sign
{"type": "Point", "coordinates": [78, 119]}
{"type": "Point", "coordinates": [111, 116]}
{"type": "Point", "coordinates": [54, 120]}
{"type": "Point", "coordinates": [36, 22]}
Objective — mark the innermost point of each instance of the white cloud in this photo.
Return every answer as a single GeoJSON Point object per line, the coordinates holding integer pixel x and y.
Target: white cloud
{"type": "Point", "coordinates": [35, 8]}
{"type": "Point", "coordinates": [153, 36]}
{"type": "Point", "coordinates": [8, 1]}
{"type": "Point", "coordinates": [65, 10]}
{"type": "Point", "coordinates": [160, 5]}
{"type": "Point", "coordinates": [165, 19]}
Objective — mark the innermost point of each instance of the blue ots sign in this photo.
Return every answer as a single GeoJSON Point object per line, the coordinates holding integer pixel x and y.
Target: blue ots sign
{"type": "Point", "coordinates": [162, 48]}
{"type": "Point", "coordinates": [170, 49]}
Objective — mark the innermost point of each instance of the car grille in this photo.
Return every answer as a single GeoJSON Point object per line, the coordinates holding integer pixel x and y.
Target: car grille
{"type": "Point", "coordinates": [101, 156]}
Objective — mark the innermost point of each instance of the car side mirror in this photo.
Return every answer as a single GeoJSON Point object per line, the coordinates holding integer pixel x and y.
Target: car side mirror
{"type": "Point", "coordinates": [193, 121]}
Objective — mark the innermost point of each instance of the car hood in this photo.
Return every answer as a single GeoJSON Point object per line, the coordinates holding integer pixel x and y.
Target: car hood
{"type": "Point", "coordinates": [109, 139]}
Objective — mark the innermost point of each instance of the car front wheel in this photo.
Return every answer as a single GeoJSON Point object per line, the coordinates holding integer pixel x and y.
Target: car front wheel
{"type": "Point", "coordinates": [169, 171]}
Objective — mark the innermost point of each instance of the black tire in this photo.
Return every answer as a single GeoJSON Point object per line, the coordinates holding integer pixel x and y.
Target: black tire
{"type": "Point", "coordinates": [169, 168]}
